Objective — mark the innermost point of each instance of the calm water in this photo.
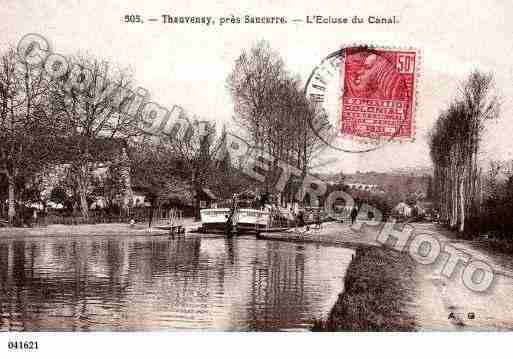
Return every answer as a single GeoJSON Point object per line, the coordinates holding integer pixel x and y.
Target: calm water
{"type": "Point", "coordinates": [154, 283]}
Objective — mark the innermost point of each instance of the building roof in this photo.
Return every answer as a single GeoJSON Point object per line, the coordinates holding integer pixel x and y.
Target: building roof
{"type": "Point", "coordinates": [209, 193]}
{"type": "Point", "coordinates": [402, 205]}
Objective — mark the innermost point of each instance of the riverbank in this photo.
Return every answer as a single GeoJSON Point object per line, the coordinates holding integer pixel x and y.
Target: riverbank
{"type": "Point", "coordinates": [334, 233]}
{"type": "Point", "coordinates": [375, 280]}
{"type": "Point", "coordinates": [103, 229]}
{"type": "Point", "coordinates": [384, 289]}
{"type": "Point", "coordinates": [378, 282]}
{"type": "Point", "coordinates": [379, 289]}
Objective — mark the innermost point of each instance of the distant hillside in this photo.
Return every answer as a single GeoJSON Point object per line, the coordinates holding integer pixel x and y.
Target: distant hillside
{"type": "Point", "coordinates": [413, 171]}
{"type": "Point", "coordinates": [397, 181]}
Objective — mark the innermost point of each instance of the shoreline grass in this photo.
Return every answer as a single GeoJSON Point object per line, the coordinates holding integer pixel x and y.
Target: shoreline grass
{"type": "Point", "coordinates": [58, 230]}
{"type": "Point", "coordinates": [379, 285]}
{"type": "Point", "coordinates": [497, 245]}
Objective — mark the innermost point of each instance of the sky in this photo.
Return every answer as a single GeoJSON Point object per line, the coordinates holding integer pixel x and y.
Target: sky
{"type": "Point", "coordinates": [187, 65]}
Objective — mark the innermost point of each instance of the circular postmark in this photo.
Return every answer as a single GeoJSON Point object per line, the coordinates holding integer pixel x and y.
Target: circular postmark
{"type": "Point", "coordinates": [366, 95]}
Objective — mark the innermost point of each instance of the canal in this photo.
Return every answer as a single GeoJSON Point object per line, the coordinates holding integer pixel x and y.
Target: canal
{"type": "Point", "coordinates": [154, 283]}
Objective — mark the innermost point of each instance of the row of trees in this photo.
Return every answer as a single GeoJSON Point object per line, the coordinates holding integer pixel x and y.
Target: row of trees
{"type": "Point", "coordinates": [80, 119]}
{"type": "Point", "coordinates": [274, 112]}
{"type": "Point", "coordinates": [48, 126]}
{"type": "Point", "coordinates": [276, 117]}
{"type": "Point", "coordinates": [454, 147]}
{"type": "Point", "coordinates": [45, 121]}
{"type": "Point", "coordinates": [498, 203]}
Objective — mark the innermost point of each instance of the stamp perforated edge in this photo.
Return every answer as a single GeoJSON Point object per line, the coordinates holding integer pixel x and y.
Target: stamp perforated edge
{"type": "Point", "coordinates": [415, 103]}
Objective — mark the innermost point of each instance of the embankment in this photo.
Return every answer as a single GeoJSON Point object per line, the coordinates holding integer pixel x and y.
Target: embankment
{"type": "Point", "coordinates": [379, 289]}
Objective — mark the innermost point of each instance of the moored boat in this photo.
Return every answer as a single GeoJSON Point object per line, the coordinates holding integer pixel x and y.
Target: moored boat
{"type": "Point", "coordinates": [249, 219]}
{"type": "Point", "coordinates": [214, 219]}
{"type": "Point", "coordinates": [244, 219]}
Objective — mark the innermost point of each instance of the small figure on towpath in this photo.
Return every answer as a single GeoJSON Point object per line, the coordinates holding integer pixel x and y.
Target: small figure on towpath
{"type": "Point", "coordinates": [354, 214]}
{"type": "Point", "coordinates": [317, 220]}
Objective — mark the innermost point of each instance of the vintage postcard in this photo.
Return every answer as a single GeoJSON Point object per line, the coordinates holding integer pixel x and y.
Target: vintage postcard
{"type": "Point", "coordinates": [176, 168]}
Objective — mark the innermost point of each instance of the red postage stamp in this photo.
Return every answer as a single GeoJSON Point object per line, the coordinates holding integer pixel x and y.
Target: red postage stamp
{"type": "Point", "coordinates": [378, 93]}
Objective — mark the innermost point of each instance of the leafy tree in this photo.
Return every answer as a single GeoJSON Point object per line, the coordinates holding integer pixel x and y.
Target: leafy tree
{"type": "Point", "coordinates": [454, 147]}
{"type": "Point", "coordinates": [27, 133]}
{"type": "Point", "coordinates": [274, 111]}
{"type": "Point", "coordinates": [95, 117]}
{"type": "Point", "coordinates": [59, 196]}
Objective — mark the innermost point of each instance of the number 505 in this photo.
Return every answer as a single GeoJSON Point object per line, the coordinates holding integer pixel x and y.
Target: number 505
{"type": "Point", "coordinates": [133, 18]}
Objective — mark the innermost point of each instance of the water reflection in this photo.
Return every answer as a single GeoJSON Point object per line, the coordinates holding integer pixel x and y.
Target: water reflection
{"type": "Point", "coordinates": [160, 284]}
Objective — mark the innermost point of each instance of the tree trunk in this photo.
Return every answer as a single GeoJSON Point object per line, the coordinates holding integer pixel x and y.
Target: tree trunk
{"type": "Point", "coordinates": [11, 213]}
{"type": "Point", "coordinates": [447, 195]}
{"type": "Point", "coordinates": [82, 179]}
{"type": "Point", "coordinates": [454, 199]}
{"type": "Point", "coordinates": [462, 204]}
{"type": "Point", "coordinates": [83, 204]}
{"type": "Point", "coordinates": [197, 188]}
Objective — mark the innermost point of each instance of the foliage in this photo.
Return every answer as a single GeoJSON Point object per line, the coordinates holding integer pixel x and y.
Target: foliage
{"type": "Point", "coordinates": [454, 147]}
{"type": "Point", "coordinates": [27, 133]}
{"type": "Point", "coordinates": [498, 201]}
{"type": "Point", "coordinates": [93, 114]}
{"type": "Point", "coordinates": [274, 111]}
{"type": "Point", "coordinates": [59, 196]}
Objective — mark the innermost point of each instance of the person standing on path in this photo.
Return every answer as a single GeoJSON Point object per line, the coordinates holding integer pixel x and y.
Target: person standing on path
{"type": "Point", "coordinates": [354, 214]}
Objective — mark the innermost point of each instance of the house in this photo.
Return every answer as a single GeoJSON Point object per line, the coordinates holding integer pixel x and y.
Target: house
{"type": "Point", "coordinates": [114, 152]}
{"type": "Point", "coordinates": [139, 199]}
{"type": "Point", "coordinates": [424, 208]}
{"type": "Point", "coordinates": [206, 198]}
{"type": "Point", "coordinates": [403, 209]}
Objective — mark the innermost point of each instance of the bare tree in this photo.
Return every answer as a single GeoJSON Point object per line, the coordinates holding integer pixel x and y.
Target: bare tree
{"type": "Point", "coordinates": [8, 92]}
{"type": "Point", "coordinates": [274, 111]}
{"type": "Point", "coordinates": [253, 84]}
{"type": "Point", "coordinates": [26, 133]}
{"type": "Point", "coordinates": [93, 112]}
{"type": "Point", "coordinates": [197, 149]}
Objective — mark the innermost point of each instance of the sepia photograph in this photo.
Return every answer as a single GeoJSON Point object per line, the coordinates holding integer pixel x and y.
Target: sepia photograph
{"type": "Point", "coordinates": [171, 171]}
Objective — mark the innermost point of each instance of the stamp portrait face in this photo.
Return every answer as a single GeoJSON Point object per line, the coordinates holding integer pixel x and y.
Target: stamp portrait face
{"type": "Point", "coordinates": [377, 99]}
{"type": "Point", "coordinates": [368, 94]}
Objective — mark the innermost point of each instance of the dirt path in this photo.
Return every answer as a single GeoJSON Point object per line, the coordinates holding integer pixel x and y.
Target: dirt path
{"type": "Point", "coordinates": [439, 296]}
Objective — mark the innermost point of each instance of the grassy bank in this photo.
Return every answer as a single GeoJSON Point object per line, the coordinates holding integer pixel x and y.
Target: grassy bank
{"type": "Point", "coordinates": [495, 244]}
{"type": "Point", "coordinates": [379, 285]}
